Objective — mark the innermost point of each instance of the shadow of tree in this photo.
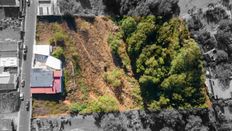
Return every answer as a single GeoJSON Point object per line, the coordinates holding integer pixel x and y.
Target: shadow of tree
{"type": "Point", "coordinates": [70, 20]}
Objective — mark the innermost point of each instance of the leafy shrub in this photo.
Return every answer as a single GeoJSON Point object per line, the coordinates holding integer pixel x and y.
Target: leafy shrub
{"type": "Point", "coordinates": [58, 39]}
{"type": "Point", "coordinates": [58, 52]}
{"type": "Point", "coordinates": [114, 77]}
{"type": "Point", "coordinates": [114, 42]}
{"type": "Point", "coordinates": [75, 61]}
{"type": "Point", "coordinates": [84, 90]}
{"type": "Point", "coordinates": [103, 104]}
{"type": "Point", "coordinates": [56, 27]}
{"type": "Point", "coordinates": [77, 107]}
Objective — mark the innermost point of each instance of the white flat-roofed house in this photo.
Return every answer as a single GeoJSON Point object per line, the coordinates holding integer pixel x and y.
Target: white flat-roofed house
{"type": "Point", "coordinates": [47, 7]}
{"type": "Point", "coordinates": [54, 63]}
{"type": "Point", "coordinates": [43, 58]}
{"type": "Point", "coordinates": [9, 62]}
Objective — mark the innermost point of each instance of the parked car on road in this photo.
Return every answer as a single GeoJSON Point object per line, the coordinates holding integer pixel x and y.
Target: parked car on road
{"type": "Point", "coordinates": [28, 2]}
{"type": "Point", "coordinates": [21, 96]}
{"type": "Point", "coordinates": [24, 48]}
{"type": "Point", "coordinates": [23, 83]}
{"type": "Point", "coordinates": [27, 105]}
{"type": "Point", "coordinates": [24, 52]}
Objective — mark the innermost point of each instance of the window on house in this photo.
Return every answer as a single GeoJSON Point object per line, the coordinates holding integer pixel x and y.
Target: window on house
{"type": "Point", "coordinates": [41, 10]}
{"type": "Point", "coordinates": [47, 11]}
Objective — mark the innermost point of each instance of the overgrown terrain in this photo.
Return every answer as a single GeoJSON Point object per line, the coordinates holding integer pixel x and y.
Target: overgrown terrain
{"type": "Point", "coordinates": [127, 63]}
{"type": "Point", "coordinates": [150, 62]}
{"type": "Point", "coordinates": [93, 81]}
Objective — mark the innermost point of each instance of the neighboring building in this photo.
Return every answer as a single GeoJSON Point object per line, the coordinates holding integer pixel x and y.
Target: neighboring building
{"type": "Point", "coordinates": [9, 63]}
{"type": "Point", "coordinates": [9, 8]}
{"type": "Point", "coordinates": [47, 75]}
{"type": "Point", "coordinates": [214, 87]}
{"type": "Point", "coordinates": [227, 110]}
{"type": "Point", "coordinates": [7, 125]}
{"type": "Point", "coordinates": [47, 7]}
{"type": "Point", "coordinates": [215, 90]}
{"type": "Point", "coordinates": [9, 3]}
{"type": "Point", "coordinates": [211, 55]}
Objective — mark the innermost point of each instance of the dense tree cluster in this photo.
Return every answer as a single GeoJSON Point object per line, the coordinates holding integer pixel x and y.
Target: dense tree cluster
{"type": "Point", "coordinates": [224, 35]}
{"type": "Point", "coordinates": [166, 61]}
{"type": "Point", "coordinates": [216, 14]}
{"type": "Point", "coordinates": [69, 6]}
{"type": "Point", "coordinates": [165, 8]}
{"type": "Point", "coordinates": [175, 120]}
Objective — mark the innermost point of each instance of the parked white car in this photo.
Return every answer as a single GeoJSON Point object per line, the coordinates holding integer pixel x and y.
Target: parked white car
{"type": "Point", "coordinates": [21, 96]}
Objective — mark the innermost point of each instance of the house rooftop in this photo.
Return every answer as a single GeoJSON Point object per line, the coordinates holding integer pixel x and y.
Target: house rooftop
{"type": "Point", "coordinates": [53, 63]}
{"type": "Point", "coordinates": [42, 49]}
{"type": "Point", "coordinates": [7, 2]}
{"type": "Point", "coordinates": [8, 62]}
{"type": "Point", "coordinates": [7, 81]}
{"type": "Point", "coordinates": [56, 87]}
{"type": "Point", "coordinates": [8, 49]}
{"type": "Point", "coordinates": [41, 78]}
{"type": "Point", "coordinates": [6, 125]}
{"type": "Point", "coordinates": [8, 46]}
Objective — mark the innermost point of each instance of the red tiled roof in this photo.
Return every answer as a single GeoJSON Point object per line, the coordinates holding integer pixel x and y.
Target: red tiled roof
{"type": "Point", "coordinates": [57, 73]}
{"type": "Point", "coordinates": [43, 90]}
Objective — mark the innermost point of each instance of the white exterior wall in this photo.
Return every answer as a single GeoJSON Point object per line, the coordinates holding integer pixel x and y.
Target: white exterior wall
{"type": "Point", "coordinates": [48, 8]}
{"type": "Point", "coordinates": [44, 9]}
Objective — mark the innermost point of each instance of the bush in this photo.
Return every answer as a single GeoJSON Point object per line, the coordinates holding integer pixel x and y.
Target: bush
{"type": "Point", "coordinates": [76, 107]}
{"type": "Point", "coordinates": [114, 41]}
{"type": "Point", "coordinates": [128, 25]}
{"type": "Point", "coordinates": [103, 104]}
{"type": "Point", "coordinates": [58, 52]}
{"type": "Point", "coordinates": [114, 77]}
{"type": "Point", "coordinates": [59, 38]}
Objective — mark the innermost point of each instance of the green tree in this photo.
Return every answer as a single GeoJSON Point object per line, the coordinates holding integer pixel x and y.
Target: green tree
{"type": "Point", "coordinates": [128, 26]}
{"type": "Point", "coordinates": [167, 62]}
{"type": "Point", "coordinates": [139, 37]}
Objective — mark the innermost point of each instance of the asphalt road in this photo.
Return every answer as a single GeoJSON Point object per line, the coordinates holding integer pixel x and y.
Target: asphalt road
{"type": "Point", "coordinates": [30, 27]}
